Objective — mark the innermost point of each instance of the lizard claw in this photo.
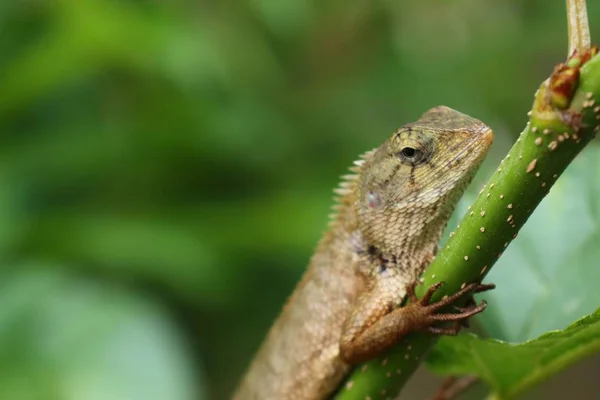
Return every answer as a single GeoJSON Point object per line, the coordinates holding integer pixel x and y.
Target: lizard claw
{"type": "Point", "coordinates": [410, 292]}
{"type": "Point", "coordinates": [448, 300]}
{"type": "Point", "coordinates": [468, 305]}
{"type": "Point", "coordinates": [484, 287]}
{"type": "Point", "coordinates": [465, 322]}
{"type": "Point", "coordinates": [460, 317]}
{"type": "Point", "coordinates": [430, 292]}
{"type": "Point", "coordinates": [424, 301]}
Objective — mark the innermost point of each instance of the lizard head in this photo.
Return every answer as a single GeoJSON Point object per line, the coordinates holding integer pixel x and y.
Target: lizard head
{"type": "Point", "coordinates": [408, 187]}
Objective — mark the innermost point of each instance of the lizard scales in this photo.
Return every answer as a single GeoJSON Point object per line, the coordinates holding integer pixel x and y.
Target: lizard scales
{"type": "Point", "coordinates": [389, 216]}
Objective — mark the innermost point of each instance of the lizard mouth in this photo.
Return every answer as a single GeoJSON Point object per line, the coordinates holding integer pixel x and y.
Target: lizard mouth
{"type": "Point", "coordinates": [487, 139]}
{"type": "Point", "coordinates": [488, 136]}
{"type": "Point", "coordinates": [479, 145]}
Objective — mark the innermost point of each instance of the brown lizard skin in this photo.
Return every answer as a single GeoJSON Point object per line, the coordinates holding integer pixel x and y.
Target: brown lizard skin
{"type": "Point", "coordinates": [388, 219]}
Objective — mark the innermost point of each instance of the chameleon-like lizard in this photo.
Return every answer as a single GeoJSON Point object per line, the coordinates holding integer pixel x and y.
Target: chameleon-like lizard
{"type": "Point", "coordinates": [388, 219]}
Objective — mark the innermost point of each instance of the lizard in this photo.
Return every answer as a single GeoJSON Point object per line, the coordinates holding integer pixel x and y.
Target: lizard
{"type": "Point", "coordinates": [389, 215]}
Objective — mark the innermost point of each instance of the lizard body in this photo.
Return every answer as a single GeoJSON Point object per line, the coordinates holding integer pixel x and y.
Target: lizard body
{"type": "Point", "coordinates": [388, 219]}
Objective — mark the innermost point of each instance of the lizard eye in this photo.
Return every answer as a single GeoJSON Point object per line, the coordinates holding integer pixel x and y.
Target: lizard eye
{"type": "Point", "coordinates": [409, 152]}
{"type": "Point", "coordinates": [411, 155]}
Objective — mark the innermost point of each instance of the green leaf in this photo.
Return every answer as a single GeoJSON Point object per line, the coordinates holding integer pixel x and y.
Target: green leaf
{"type": "Point", "coordinates": [67, 338]}
{"type": "Point", "coordinates": [510, 369]}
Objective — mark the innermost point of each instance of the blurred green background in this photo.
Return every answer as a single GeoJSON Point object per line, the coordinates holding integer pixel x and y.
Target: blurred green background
{"type": "Point", "coordinates": [166, 167]}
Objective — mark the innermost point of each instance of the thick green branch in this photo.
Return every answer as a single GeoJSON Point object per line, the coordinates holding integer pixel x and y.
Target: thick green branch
{"type": "Point", "coordinates": [550, 141]}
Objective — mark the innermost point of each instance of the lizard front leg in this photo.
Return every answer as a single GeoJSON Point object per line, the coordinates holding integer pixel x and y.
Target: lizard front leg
{"type": "Point", "coordinates": [364, 338]}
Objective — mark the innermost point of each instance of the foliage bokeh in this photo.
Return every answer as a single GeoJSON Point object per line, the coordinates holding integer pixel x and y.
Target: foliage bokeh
{"type": "Point", "coordinates": [174, 161]}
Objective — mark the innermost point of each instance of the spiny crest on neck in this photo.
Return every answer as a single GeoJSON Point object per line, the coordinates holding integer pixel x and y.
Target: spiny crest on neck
{"type": "Point", "coordinates": [345, 193]}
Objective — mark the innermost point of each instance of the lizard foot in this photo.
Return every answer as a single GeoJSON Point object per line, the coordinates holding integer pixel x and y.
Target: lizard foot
{"type": "Point", "coordinates": [430, 311]}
